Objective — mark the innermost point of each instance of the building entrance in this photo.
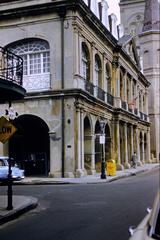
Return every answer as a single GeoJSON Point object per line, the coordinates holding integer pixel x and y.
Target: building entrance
{"type": "Point", "coordinates": [30, 145]}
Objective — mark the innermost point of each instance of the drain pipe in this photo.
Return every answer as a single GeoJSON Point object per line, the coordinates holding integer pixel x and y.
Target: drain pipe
{"type": "Point", "coordinates": [62, 14]}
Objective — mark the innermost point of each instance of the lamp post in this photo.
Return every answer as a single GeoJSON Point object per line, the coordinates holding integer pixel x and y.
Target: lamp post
{"type": "Point", "coordinates": [102, 142]}
{"type": "Point", "coordinates": [11, 115]}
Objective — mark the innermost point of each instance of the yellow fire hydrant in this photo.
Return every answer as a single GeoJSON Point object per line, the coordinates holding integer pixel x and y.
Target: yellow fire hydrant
{"type": "Point", "coordinates": [111, 167]}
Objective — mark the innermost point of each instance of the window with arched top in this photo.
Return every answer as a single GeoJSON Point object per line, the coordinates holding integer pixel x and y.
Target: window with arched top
{"type": "Point", "coordinates": [85, 63]}
{"type": "Point", "coordinates": [97, 70]}
{"type": "Point", "coordinates": [108, 79]}
{"type": "Point", "coordinates": [146, 59]}
{"type": "Point", "coordinates": [140, 102]}
{"type": "Point", "coordinates": [121, 85]}
{"type": "Point", "coordinates": [36, 62]}
{"type": "Point", "coordinates": [158, 57]}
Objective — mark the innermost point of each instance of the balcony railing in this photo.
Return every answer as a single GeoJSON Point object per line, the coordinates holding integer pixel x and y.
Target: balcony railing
{"type": "Point", "coordinates": [11, 67]}
{"type": "Point", "coordinates": [105, 96]}
{"type": "Point", "coordinates": [110, 99]}
{"type": "Point", "coordinates": [100, 94]}
{"type": "Point", "coordinates": [124, 105]}
{"type": "Point", "coordinates": [89, 87]}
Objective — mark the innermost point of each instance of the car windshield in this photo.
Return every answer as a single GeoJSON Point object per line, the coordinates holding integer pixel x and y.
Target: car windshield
{"type": "Point", "coordinates": [5, 161]}
{"type": "Point", "coordinates": [155, 218]}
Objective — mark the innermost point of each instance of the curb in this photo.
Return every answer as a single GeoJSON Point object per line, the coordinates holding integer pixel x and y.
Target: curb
{"type": "Point", "coordinates": [15, 213]}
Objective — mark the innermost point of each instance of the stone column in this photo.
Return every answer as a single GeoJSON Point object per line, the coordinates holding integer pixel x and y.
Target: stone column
{"type": "Point", "coordinates": [82, 138]}
{"type": "Point", "coordinates": [132, 140]}
{"type": "Point", "coordinates": [77, 52]}
{"type": "Point", "coordinates": [143, 158]}
{"type": "Point", "coordinates": [117, 87]}
{"type": "Point", "coordinates": [138, 147]}
{"type": "Point", "coordinates": [79, 170]}
{"type": "Point", "coordinates": [148, 154]}
{"type": "Point", "coordinates": [93, 63]}
{"type": "Point", "coordinates": [93, 169]}
{"type": "Point", "coordinates": [117, 152]}
{"type": "Point", "coordinates": [125, 86]}
{"type": "Point", "coordinates": [126, 164]}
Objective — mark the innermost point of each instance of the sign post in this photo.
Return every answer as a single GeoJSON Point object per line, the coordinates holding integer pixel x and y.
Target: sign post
{"type": "Point", "coordinates": [7, 129]}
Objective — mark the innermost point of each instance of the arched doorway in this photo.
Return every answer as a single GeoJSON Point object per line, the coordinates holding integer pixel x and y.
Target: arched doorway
{"type": "Point", "coordinates": [98, 148]}
{"type": "Point", "coordinates": [87, 145]}
{"type": "Point", "coordinates": [30, 145]}
{"type": "Point", "coordinates": [107, 143]}
{"type": "Point", "coordinates": [141, 146]}
{"type": "Point", "coordinates": [145, 147]}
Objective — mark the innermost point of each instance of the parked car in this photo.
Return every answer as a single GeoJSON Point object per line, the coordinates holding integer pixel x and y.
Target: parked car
{"type": "Point", "coordinates": [17, 173]}
{"type": "Point", "coordinates": [149, 228]}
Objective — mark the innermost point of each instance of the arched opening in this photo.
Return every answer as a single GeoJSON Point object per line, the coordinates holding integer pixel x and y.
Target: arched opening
{"type": "Point", "coordinates": [85, 63]}
{"type": "Point", "coordinates": [121, 85]}
{"type": "Point", "coordinates": [122, 142]}
{"type": "Point", "coordinates": [141, 146]}
{"type": "Point", "coordinates": [87, 145]}
{"type": "Point", "coordinates": [30, 145]}
{"type": "Point", "coordinates": [97, 69]}
{"type": "Point", "coordinates": [35, 53]}
{"type": "Point", "coordinates": [108, 86]}
{"type": "Point", "coordinates": [98, 148]}
{"type": "Point", "coordinates": [107, 143]}
{"type": "Point", "coordinates": [145, 146]}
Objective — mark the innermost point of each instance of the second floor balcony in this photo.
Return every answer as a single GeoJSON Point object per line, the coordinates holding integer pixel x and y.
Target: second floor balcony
{"type": "Point", "coordinates": [111, 100]}
{"type": "Point", "coordinates": [11, 74]}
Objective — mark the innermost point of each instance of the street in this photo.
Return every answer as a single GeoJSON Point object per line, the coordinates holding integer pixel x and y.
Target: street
{"type": "Point", "coordinates": [83, 211]}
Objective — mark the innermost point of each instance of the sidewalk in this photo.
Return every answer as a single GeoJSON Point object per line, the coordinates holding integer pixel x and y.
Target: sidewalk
{"type": "Point", "coordinates": [22, 204]}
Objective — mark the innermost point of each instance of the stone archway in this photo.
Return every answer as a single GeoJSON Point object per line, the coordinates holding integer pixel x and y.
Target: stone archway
{"type": "Point", "coordinates": [30, 145]}
{"type": "Point", "coordinates": [141, 146]}
{"type": "Point", "coordinates": [87, 145]}
{"type": "Point", "coordinates": [107, 143]}
{"type": "Point", "coordinates": [98, 148]}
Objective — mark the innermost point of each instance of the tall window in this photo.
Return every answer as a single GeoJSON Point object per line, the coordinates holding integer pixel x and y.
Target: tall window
{"type": "Point", "coordinates": [85, 62]}
{"type": "Point", "coordinates": [108, 79]}
{"type": "Point", "coordinates": [36, 57]}
{"type": "Point", "coordinates": [97, 69]}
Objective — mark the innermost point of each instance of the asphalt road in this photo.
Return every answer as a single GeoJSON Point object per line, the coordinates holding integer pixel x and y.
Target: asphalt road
{"type": "Point", "coordinates": [84, 212]}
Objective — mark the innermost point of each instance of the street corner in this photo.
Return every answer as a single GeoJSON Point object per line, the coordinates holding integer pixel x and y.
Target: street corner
{"type": "Point", "coordinates": [21, 205]}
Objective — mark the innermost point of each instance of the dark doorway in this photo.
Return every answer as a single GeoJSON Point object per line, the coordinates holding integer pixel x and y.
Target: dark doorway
{"type": "Point", "coordinates": [30, 145]}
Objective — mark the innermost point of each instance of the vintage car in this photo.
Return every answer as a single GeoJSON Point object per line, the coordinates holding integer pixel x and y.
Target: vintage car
{"type": "Point", "coordinates": [17, 173]}
{"type": "Point", "coordinates": [149, 228]}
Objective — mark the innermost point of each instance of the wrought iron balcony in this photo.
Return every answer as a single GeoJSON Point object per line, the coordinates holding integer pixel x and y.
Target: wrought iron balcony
{"type": "Point", "coordinates": [11, 74]}
{"type": "Point", "coordinates": [11, 66]}
{"type": "Point", "coordinates": [110, 99]}
{"type": "Point", "coordinates": [124, 105]}
{"type": "Point", "coordinates": [100, 94]}
{"type": "Point", "coordinates": [89, 87]}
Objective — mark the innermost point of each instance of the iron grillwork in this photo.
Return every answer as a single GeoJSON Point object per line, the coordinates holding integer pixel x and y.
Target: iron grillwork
{"type": "Point", "coordinates": [11, 66]}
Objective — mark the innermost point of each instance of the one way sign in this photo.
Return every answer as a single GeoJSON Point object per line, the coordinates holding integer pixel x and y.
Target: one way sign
{"type": "Point", "coordinates": [7, 129]}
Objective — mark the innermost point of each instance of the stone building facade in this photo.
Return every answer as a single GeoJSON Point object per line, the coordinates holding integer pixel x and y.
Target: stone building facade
{"type": "Point", "coordinates": [77, 75]}
{"type": "Point", "coordinates": [142, 19]}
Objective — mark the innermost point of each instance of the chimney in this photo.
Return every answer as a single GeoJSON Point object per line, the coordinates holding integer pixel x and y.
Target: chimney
{"type": "Point", "coordinates": [94, 7]}
{"type": "Point", "coordinates": [113, 25]}
{"type": "Point", "coordinates": [103, 12]}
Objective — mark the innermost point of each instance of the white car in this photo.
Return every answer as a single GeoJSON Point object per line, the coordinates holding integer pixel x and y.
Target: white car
{"type": "Point", "coordinates": [17, 173]}
{"type": "Point", "coordinates": [149, 228]}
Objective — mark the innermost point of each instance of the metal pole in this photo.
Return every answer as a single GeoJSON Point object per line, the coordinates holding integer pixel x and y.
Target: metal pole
{"type": "Point", "coordinates": [10, 192]}
{"type": "Point", "coordinates": [103, 173]}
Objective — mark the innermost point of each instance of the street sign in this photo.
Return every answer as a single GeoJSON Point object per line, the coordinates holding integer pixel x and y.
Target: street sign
{"type": "Point", "coordinates": [102, 139]}
{"type": "Point", "coordinates": [7, 129]}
